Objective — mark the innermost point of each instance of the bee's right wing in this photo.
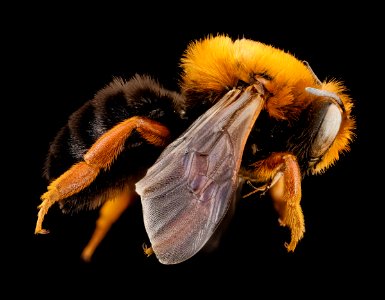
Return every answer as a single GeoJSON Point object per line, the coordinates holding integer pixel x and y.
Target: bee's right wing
{"type": "Point", "coordinates": [188, 190]}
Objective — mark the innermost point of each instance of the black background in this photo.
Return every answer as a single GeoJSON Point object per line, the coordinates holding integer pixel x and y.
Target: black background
{"type": "Point", "coordinates": [59, 57]}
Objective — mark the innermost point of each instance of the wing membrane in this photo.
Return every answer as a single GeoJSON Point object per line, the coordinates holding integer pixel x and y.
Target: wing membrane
{"type": "Point", "coordinates": [188, 190]}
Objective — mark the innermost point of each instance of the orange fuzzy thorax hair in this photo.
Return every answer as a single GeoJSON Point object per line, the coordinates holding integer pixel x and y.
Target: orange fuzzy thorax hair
{"type": "Point", "coordinates": [216, 64]}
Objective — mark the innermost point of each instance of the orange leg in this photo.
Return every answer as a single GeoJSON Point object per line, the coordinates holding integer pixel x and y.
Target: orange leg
{"type": "Point", "coordinates": [100, 156]}
{"type": "Point", "coordinates": [282, 173]}
{"type": "Point", "coordinates": [109, 213]}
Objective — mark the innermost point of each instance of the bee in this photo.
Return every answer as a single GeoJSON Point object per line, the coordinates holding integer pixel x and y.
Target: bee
{"type": "Point", "coordinates": [248, 116]}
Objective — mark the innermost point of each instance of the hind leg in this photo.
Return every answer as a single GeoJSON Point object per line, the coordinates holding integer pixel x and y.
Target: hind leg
{"type": "Point", "coordinates": [99, 157]}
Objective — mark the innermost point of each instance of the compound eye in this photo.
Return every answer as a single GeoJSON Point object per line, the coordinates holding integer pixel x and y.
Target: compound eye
{"type": "Point", "coordinates": [324, 118]}
{"type": "Point", "coordinates": [328, 129]}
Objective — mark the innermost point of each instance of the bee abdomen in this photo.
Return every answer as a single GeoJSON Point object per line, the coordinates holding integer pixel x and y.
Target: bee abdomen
{"type": "Point", "coordinates": [120, 100]}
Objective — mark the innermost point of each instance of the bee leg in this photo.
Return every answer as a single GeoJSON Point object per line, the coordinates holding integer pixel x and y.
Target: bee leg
{"type": "Point", "coordinates": [79, 176]}
{"type": "Point", "coordinates": [109, 213]}
{"type": "Point", "coordinates": [264, 188]}
{"type": "Point", "coordinates": [148, 251]}
{"type": "Point", "coordinates": [100, 156]}
{"type": "Point", "coordinates": [283, 173]}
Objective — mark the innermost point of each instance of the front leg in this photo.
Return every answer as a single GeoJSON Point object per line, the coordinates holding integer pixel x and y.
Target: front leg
{"type": "Point", "coordinates": [281, 176]}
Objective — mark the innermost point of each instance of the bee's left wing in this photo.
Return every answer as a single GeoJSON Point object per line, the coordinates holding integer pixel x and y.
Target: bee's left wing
{"type": "Point", "coordinates": [188, 190]}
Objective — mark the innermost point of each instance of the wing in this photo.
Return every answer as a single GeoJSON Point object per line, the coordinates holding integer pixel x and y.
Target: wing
{"type": "Point", "coordinates": [188, 190]}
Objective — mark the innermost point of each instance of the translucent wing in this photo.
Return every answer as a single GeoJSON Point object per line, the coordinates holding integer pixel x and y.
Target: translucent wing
{"type": "Point", "coordinates": [188, 190]}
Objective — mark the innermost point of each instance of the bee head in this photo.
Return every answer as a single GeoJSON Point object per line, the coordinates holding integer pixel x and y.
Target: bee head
{"type": "Point", "coordinates": [323, 130]}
